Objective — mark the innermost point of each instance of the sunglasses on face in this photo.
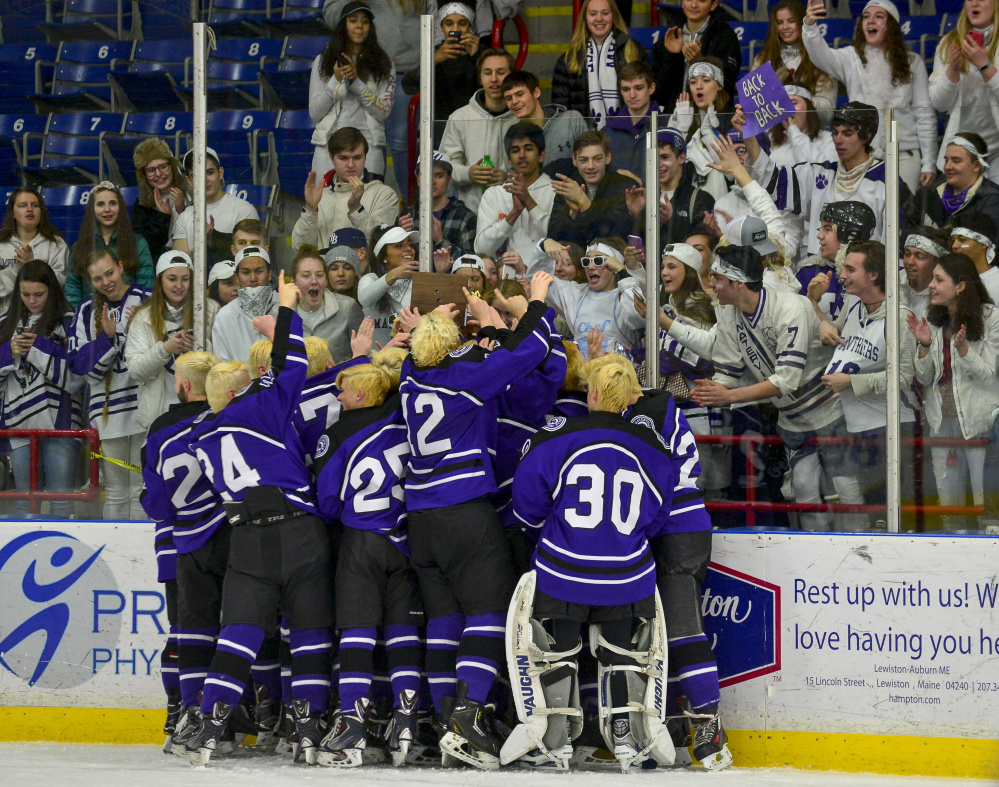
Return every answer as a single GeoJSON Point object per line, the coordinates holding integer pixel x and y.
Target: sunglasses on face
{"type": "Point", "coordinates": [597, 261]}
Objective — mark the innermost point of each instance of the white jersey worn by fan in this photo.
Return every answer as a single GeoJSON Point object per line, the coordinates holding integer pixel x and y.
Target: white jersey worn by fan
{"type": "Point", "coordinates": [778, 343]}
{"type": "Point", "coordinates": [864, 358]}
{"type": "Point", "coordinates": [226, 212]}
{"type": "Point", "coordinates": [806, 187]}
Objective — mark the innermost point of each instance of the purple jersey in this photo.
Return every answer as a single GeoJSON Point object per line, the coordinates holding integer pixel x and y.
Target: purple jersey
{"type": "Point", "coordinates": [360, 466]}
{"type": "Point", "coordinates": [598, 488]}
{"type": "Point", "coordinates": [253, 441]}
{"type": "Point", "coordinates": [451, 411]}
{"type": "Point", "coordinates": [318, 408]}
{"type": "Point", "coordinates": [176, 494]}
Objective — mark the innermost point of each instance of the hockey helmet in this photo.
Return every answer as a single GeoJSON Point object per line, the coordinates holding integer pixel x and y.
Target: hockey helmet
{"type": "Point", "coordinates": [854, 220]}
{"type": "Point", "coordinates": [861, 116]}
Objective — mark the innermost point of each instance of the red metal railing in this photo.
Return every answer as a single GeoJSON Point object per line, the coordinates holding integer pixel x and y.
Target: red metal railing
{"type": "Point", "coordinates": [751, 505]}
{"type": "Point", "coordinates": [34, 495]}
{"type": "Point", "coordinates": [523, 40]}
{"type": "Point", "coordinates": [576, 6]}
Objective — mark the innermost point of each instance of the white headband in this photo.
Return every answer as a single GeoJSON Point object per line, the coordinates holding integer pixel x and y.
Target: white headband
{"type": "Point", "coordinates": [887, 5]}
{"type": "Point", "coordinates": [961, 142]}
{"type": "Point", "coordinates": [990, 246]}
{"type": "Point", "coordinates": [607, 251]}
{"type": "Point", "coordinates": [456, 8]}
{"type": "Point", "coordinates": [722, 268]}
{"type": "Point", "coordinates": [923, 243]}
{"type": "Point", "coordinates": [799, 91]}
{"type": "Point", "coordinates": [703, 69]}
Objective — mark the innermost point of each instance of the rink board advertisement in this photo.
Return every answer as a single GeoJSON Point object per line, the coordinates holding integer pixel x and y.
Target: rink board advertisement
{"type": "Point", "coordinates": [864, 653]}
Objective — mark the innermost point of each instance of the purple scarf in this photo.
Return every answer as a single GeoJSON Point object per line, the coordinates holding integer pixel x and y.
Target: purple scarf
{"type": "Point", "coordinates": [952, 201]}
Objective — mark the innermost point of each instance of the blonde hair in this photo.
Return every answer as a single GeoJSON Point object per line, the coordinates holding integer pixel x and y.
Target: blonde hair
{"type": "Point", "coordinates": [318, 351]}
{"type": "Point", "coordinates": [581, 36]}
{"type": "Point", "coordinates": [575, 361]}
{"type": "Point", "coordinates": [377, 379]}
{"type": "Point", "coordinates": [434, 337]}
{"type": "Point", "coordinates": [260, 355]}
{"type": "Point", "coordinates": [222, 377]}
{"type": "Point", "coordinates": [157, 305]}
{"type": "Point", "coordinates": [613, 378]}
{"type": "Point", "coordinates": [194, 367]}
{"type": "Point", "coordinates": [960, 31]}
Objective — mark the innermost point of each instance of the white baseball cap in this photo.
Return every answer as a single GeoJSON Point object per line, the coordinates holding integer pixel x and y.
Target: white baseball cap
{"type": "Point", "coordinates": [173, 259]}
{"type": "Point", "coordinates": [210, 152]}
{"type": "Point", "coordinates": [221, 271]}
{"type": "Point", "coordinates": [686, 254]}
{"type": "Point", "coordinates": [469, 261]}
{"type": "Point", "coordinates": [395, 235]}
{"type": "Point", "coordinates": [252, 251]}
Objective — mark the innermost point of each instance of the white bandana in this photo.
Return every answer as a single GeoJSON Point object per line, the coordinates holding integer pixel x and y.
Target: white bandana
{"type": "Point", "coordinates": [455, 8]}
{"type": "Point", "coordinates": [923, 243]}
{"type": "Point", "coordinates": [990, 246]}
{"type": "Point", "coordinates": [605, 250]}
{"type": "Point", "coordinates": [722, 268]}
{"type": "Point", "coordinates": [706, 70]}
{"type": "Point", "coordinates": [255, 301]}
{"type": "Point", "coordinates": [961, 142]}
{"type": "Point", "coordinates": [799, 91]}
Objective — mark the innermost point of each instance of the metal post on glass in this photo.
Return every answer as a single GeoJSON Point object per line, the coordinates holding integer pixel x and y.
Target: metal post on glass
{"type": "Point", "coordinates": [652, 253]}
{"type": "Point", "coordinates": [892, 328]}
{"type": "Point", "coordinates": [426, 133]}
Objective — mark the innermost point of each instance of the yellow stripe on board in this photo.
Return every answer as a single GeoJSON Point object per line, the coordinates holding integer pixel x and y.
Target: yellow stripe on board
{"type": "Point", "coordinates": [889, 754]}
{"type": "Point", "coordinates": [903, 755]}
{"type": "Point", "coordinates": [539, 49]}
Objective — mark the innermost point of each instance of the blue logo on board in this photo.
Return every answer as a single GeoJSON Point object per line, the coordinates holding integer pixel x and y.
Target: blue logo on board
{"type": "Point", "coordinates": [51, 584]}
{"type": "Point", "coordinates": [742, 621]}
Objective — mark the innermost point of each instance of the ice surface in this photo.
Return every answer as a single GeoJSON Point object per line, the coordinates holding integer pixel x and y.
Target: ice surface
{"type": "Point", "coordinates": [55, 765]}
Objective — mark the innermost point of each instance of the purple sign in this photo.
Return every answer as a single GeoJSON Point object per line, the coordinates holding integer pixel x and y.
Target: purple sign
{"type": "Point", "coordinates": [764, 100]}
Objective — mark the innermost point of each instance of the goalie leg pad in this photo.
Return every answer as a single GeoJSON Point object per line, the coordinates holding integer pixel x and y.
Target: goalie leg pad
{"type": "Point", "coordinates": [545, 686]}
{"type": "Point", "coordinates": [636, 670]}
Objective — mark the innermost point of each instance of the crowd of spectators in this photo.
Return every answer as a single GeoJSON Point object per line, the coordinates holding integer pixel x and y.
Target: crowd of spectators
{"type": "Point", "coordinates": [772, 260]}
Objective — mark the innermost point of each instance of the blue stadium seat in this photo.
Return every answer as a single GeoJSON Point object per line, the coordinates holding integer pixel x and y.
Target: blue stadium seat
{"type": "Point", "coordinates": [76, 89]}
{"type": "Point", "coordinates": [9, 175]}
{"type": "Point", "coordinates": [915, 27]}
{"type": "Point", "coordinates": [15, 85]}
{"type": "Point", "coordinates": [66, 206]}
{"type": "Point", "coordinates": [95, 20]}
{"type": "Point", "coordinates": [286, 157]}
{"type": "Point", "coordinates": [27, 131]}
{"type": "Point", "coordinates": [67, 161]}
{"type": "Point", "coordinates": [299, 18]}
{"type": "Point", "coordinates": [116, 157]}
{"type": "Point", "coordinates": [20, 28]}
{"type": "Point", "coordinates": [285, 89]}
{"type": "Point", "coordinates": [305, 49]}
{"type": "Point", "coordinates": [750, 31]}
{"type": "Point", "coordinates": [159, 124]}
{"type": "Point", "coordinates": [262, 198]}
{"type": "Point", "coordinates": [170, 55]}
{"type": "Point", "coordinates": [230, 86]}
{"type": "Point", "coordinates": [164, 22]}
{"type": "Point", "coordinates": [94, 52]}
{"type": "Point", "coordinates": [240, 17]}
{"type": "Point", "coordinates": [138, 92]}
{"type": "Point", "coordinates": [835, 29]}
{"type": "Point", "coordinates": [26, 53]}
{"type": "Point", "coordinates": [85, 124]}
{"type": "Point", "coordinates": [248, 50]}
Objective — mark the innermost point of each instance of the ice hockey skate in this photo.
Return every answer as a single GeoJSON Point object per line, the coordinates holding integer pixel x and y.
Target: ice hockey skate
{"type": "Point", "coordinates": [311, 728]}
{"type": "Point", "coordinates": [208, 735]}
{"type": "Point", "coordinates": [470, 736]}
{"type": "Point", "coordinates": [344, 746]}
{"type": "Point", "coordinates": [402, 729]}
{"type": "Point", "coordinates": [710, 742]}
{"type": "Point", "coordinates": [268, 721]}
{"type": "Point", "coordinates": [175, 709]}
{"type": "Point", "coordinates": [679, 732]}
{"type": "Point", "coordinates": [186, 729]}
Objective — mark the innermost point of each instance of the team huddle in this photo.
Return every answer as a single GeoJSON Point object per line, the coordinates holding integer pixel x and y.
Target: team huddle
{"type": "Point", "coordinates": [356, 556]}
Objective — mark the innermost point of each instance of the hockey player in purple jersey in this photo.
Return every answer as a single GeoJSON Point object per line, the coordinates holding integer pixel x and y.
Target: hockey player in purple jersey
{"type": "Point", "coordinates": [683, 552]}
{"type": "Point", "coordinates": [188, 514]}
{"type": "Point", "coordinates": [360, 467]}
{"type": "Point", "coordinates": [458, 548]}
{"type": "Point", "coordinates": [597, 488]}
{"type": "Point", "coordinates": [280, 551]}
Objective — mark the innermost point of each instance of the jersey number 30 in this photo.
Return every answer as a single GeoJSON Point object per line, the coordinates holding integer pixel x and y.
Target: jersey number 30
{"type": "Point", "coordinates": [625, 489]}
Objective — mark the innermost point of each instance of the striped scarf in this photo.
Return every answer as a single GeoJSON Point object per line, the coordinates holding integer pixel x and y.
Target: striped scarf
{"type": "Point", "coordinates": [601, 79]}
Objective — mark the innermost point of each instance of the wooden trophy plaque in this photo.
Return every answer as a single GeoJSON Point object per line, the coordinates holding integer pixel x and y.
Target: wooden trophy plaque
{"type": "Point", "coordinates": [431, 290]}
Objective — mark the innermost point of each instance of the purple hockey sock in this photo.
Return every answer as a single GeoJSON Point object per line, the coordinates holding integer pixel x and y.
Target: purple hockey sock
{"type": "Point", "coordinates": [194, 655]}
{"type": "Point", "coordinates": [481, 652]}
{"type": "Point", "coordinates": [357, 647]}
{"type": "Point", "coordinates": [311, 667]}
{"type": "Point", "coordinates": [230, 669]}
{"type": "Point", "coordinates": [168, 663]}
{"type": "Point", "coordinates": [442, 653]}
{"type": "Point", "coordinates": [402, 644]}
